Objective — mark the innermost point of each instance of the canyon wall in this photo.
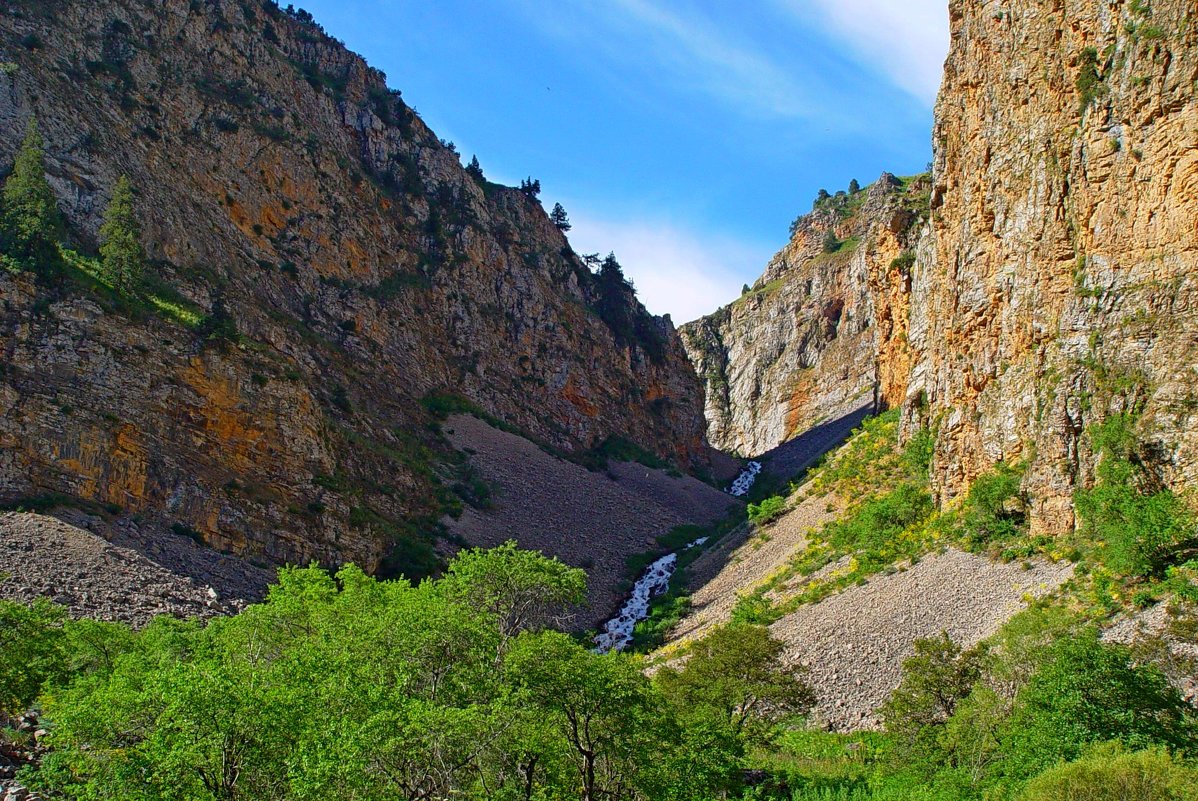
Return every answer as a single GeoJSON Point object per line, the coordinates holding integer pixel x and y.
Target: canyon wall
{"type": "Point", "coordinates": [822, 329]}
{"type": "Point", "coordinates": [293, 203]}
{"type": "Point", "coordinates": [1058, 282]}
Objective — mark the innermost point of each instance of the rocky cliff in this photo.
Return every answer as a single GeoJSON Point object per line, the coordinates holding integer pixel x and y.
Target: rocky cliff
{"type": "Point", "coordinates": [822, 327]}
{"type": "Point", "coordinates": [1055, 282]}
{"type": "Point", "coordinates": [1058, 282]}
{"type": "Point", "coordinates": [293, 203]}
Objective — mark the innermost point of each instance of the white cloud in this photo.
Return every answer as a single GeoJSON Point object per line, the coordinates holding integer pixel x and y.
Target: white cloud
{"type": "Point", "coordinates": [905, 39]}
{"type": "Point", "coordinates": [676, 271]}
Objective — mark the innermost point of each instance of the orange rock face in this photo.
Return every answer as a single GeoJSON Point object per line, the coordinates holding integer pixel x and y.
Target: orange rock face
{"type": "Point", "coordinates": [362, 268]}
{"type": "Point", "coordinates": [1059, 279]}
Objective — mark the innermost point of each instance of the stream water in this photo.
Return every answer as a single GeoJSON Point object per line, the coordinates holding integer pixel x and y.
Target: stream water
{"type": "Point", "coordinates": [616, 634]}
{"type": "Point", "coordinates": [744, 482]}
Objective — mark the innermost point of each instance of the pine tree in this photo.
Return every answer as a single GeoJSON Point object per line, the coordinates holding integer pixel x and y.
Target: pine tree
{"type": "Point", "coordinates": [531, 187]}
{"type": "Point", "coordinates": [475, 170]}
{"type": "Point", "coordinates": [559, 218]}
{"type": "Point", "coordinates": [30, 227]}
{"type": "Point", "coordinates": [120, 241]}
{"type": "Point", "coordinates": [831, 243]}
{"type": "Point", "coordinates": [219, 325]}
{"type": "Point", "coordinates": [854, 187]}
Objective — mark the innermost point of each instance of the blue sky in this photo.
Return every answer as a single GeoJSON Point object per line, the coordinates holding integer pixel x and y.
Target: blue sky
{"type": "Point", "coordinates": [683, 135]}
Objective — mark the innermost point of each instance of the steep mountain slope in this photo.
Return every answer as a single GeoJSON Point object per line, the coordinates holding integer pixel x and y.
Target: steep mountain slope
{"type": "Point", "coordinates": [286, 193]}
{"type": "Point", "coordinates": [1053, 286]}
{"type": "Point", "coordinates": [821, 328]}
{"type": "Point", "coordinates": [1059, 279]}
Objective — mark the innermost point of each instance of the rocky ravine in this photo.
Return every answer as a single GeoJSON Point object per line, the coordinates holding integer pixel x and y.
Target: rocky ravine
{"type": "Point", "coordinates": [1054, 283]}
{"type": "Point", "coordinates": [819, 330]}
{"type": "Point", "coordinates": [362, 266]}
{"type": "Point", "coordinates": [1059, 279]}
{"type": "Point", "coordinates": [588, 519]}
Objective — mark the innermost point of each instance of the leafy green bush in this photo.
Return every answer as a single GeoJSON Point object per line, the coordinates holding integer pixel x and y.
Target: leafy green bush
{"type": "Point", "coordinates": [993, 509]}
{"type": "Point", "coordinates": [1110, 774]}
{"type": "Point", "coordinates": [769, 510]}
{"type": "Point", "coordinates": [31, 643]}
{"type": "Point", "coordinates": [878, 521]}
{"type": "Point", "coordinates": [1141, 531]}
{"type": "Point", "coordinates": [1086, 692]}
{"type": "Point", "coordinates": [754, 609]}
{"type": "Point", "coordinates": [1089, 83]}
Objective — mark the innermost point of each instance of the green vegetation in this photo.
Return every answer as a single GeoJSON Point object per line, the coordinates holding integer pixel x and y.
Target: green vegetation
{"type": "Point", "coordinates": [994, 509]}
{"type": "Point", "coordinates": [122, 257]}
{"type": "Point", "coordinates": [344, 686]}
{"type": "Point", "coordinates": [834, 247]}
{"type": "Point", "coordinates": [887, 520]}
{"type": "Point", "coordinates": [30, 224]}
{"type": "Point", "coordinates": [349, 687]}
{"type": "Point", "coordinates": [475, 170]}
{"type": "Point", "coordinates": [1042, 711]}
{"type": "Point", "coordinates": [617, 306]}
{"type": "Point", "coordinates": [32, 238]}
{"type": "Point", "coordinates": [668, 609]}
{"type": "Point", "coordinates": [1143, 530]}
{"type": "Point", "coordinates": [559, 218]}
{"type": "Point", "coordinates": [1089, 83]}
{"type": "Point", "coordinates": [769, 510]}
{"type": "Point", "coordinates": [903, 262]}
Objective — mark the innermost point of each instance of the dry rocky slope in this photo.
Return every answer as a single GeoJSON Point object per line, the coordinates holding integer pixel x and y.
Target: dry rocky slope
{"type": "Point", "coordinates": [1058, 281]}
{"type": "Point", "coordinates": [588, 519]}
{"type": "Point", "coordinates": [853, 643]}
{"type": "Point", "coordinates": [362, 266]}
{"type": "Point", "coordinates": [819, 330]}
{"type": "Point", "coordinates": [124, 573]}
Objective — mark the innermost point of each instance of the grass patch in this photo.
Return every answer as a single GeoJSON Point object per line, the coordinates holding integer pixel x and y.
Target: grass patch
{"type": "Point", "coordinates": [889, 520]}
{"type": "Point", "coordinates": [155, 296]}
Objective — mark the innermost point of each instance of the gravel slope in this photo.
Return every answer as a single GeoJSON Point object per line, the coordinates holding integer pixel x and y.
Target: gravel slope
{"type": "Point", "coordinates": [139, 575]}
{"type": "Point", "coordinates": [589, 520]}
{"type": "Point", "coordinates": [853, 644]}
{"type": "Point", "coordinates": [746, 558]}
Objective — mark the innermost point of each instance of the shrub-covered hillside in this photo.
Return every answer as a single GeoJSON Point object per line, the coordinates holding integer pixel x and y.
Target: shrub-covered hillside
{"type": "Point", "coordinates": [344, 686]}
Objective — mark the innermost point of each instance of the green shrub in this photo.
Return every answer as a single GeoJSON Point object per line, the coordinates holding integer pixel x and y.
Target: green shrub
{"type": "Point", "coordinates": [903, 262]}
{"type": "Point", "coordinates": [1085, 692]}
{"type": "Point", "coordinates": [1089, 83]}
{"type": "Point", "coordinates": [769, 510]}
{"type": "Point", "coordinates": [1139, 532]}
{"type": "Point", "coordinates": [754, 609]}
{"type": "Point", "coordinates": [993, 509]}
{"type": "Point", "coordinates": [879, 521]}
{"type": "Point", "coordinates": [31, 651]}
{"type": "Point", "coordinates": [917, 453]}
{"type": "Point", "coordinates": [1110, 774]}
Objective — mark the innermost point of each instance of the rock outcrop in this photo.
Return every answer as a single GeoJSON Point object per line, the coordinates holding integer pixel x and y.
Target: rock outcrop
{"type": "Point", "coordinates": [287, 193]}
{"type": "Point", "coordinates": [822, 327]}
{"type": "Point", "coordinates": [1058, 282]}
{"type": "Point", "coordinates": [1055, 282]}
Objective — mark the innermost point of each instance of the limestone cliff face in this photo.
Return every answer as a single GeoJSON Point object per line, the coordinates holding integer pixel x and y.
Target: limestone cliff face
{"type": "Point", "coordinates": [363, 267]}
{"type": "Point", "coordinates": [819, 330]}
{"type": "Point", "coordinates": [1059, 279]}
